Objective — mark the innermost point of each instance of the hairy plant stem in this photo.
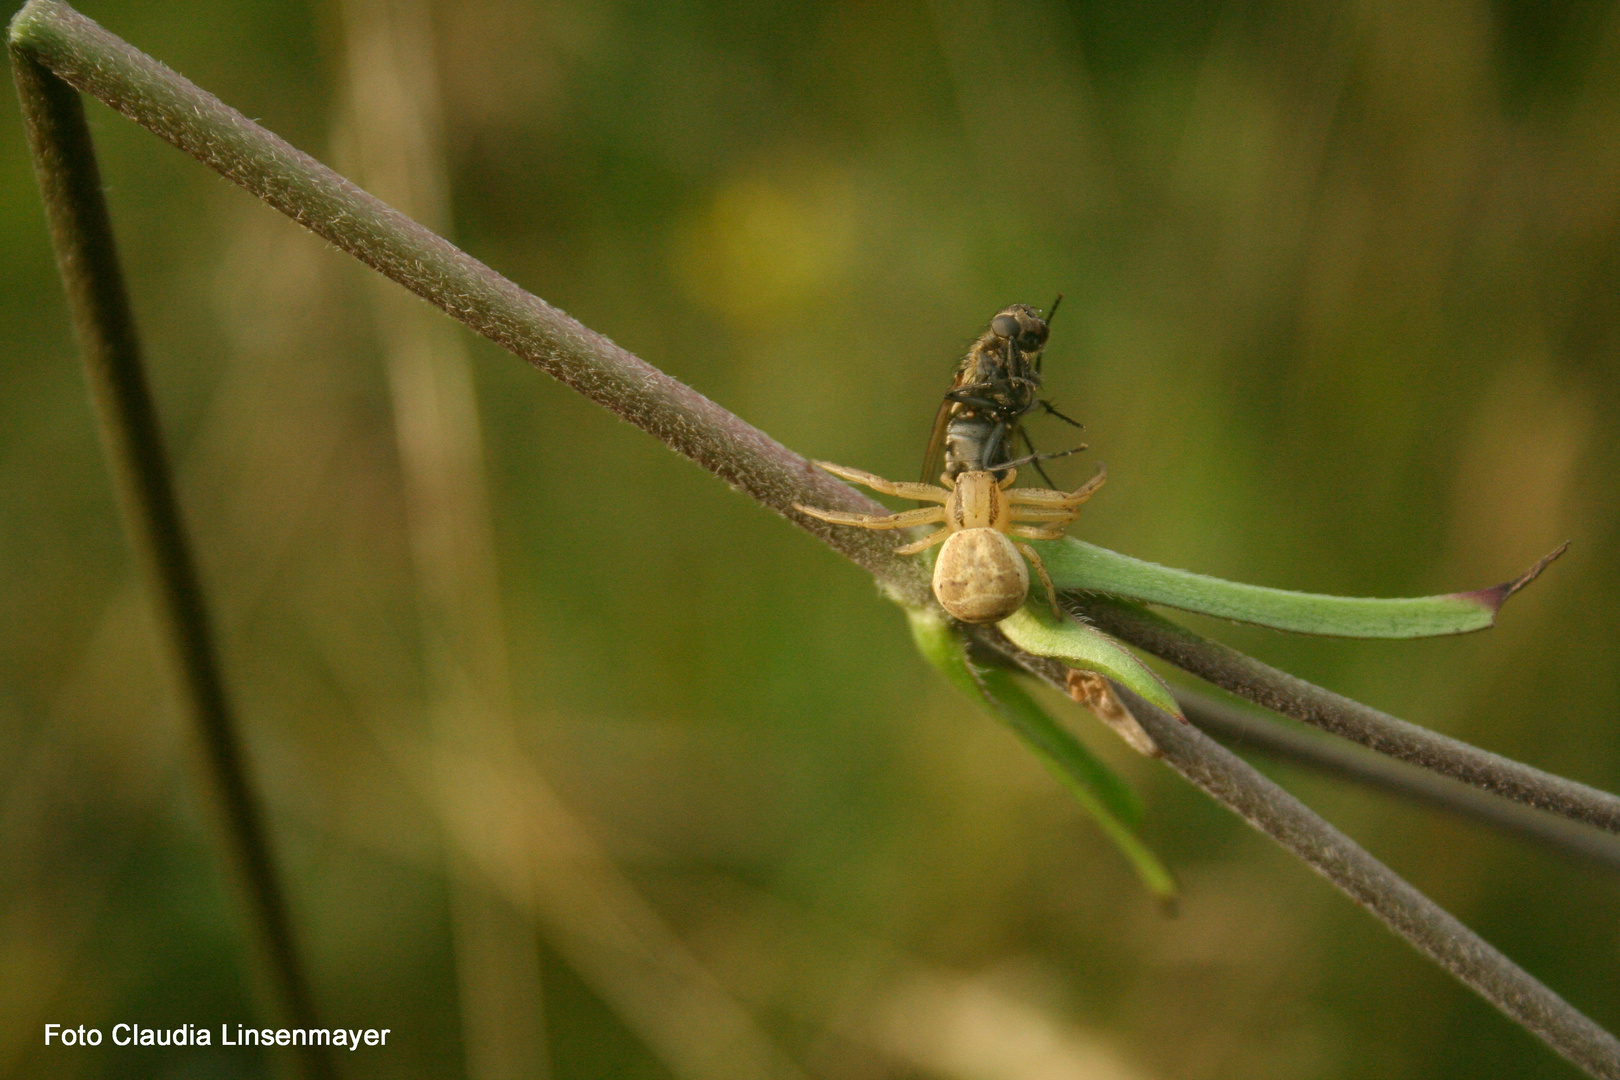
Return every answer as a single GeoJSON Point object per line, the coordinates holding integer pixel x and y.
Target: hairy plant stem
{"type": "Point", "coordinates": [1281, 692]}
{"type": "Point", "coordinates": [97, 63]}
{"type": "Point", "coordinates": [87, 257]}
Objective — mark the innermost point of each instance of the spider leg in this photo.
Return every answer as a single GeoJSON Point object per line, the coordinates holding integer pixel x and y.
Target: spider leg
{"type": "Point", "coordinates": [1030, 532]}
{"type": "Point", "coordinates": [928, 515]}
{"type": "Point", "coordinates": [924, 492]}
{"type": "Point", "coordinates": [1035, 514]}
{"type": "Point", "coordinates": [1040, 568]}
{"type": "Point", "coordinates": [1048, 497]}
{"type": "Point", "coordinates": [1089, 488]}
{"type": "Point", "coordinates": [924, 544]}
{"type": "Point", "coordinates": [1043, 498]}
{"type": "Point", "coordinates": [1033, 509]}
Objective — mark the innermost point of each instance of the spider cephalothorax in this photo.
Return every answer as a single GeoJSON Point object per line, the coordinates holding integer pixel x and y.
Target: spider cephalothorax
{"type": "Point", "coordinates": [979, 576]}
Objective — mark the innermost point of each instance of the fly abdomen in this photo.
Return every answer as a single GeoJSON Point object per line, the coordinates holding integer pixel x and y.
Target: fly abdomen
{"type": "Point", "coordinates": [974, 443]}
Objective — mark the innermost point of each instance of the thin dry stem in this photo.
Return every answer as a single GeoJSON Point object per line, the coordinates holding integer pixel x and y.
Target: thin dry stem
{"type": "Point", "coordinates": [87, 257]}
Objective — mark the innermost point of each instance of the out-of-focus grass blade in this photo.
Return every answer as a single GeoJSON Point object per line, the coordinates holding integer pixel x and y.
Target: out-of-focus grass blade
{"type": "Point", "coordinates": [1107, 798]}
{"type": "Point", "coordinates": [1075, 564]}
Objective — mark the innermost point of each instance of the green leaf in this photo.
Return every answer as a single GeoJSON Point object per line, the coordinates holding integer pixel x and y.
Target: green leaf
{"type": "Point", "coordinates": [1075, 564]}
{"type": "Point", "coordinates": [1067, 756]}
{"type": "Point", "coordinates": [1098, 789]}
{"type": "Point", "coordinates": [1035, 629]}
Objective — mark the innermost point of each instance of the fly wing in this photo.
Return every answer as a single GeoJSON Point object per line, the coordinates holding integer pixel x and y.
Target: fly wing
{"type": "Point", "coordinates": [967, 372]}
{"type": "Point", "coordinates": [934, 458]}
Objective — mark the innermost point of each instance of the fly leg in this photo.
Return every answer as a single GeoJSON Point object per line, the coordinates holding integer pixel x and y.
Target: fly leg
{"type": "Point", "coordinates": [1035, 456]}
{"type": "Point", "coordinates": [1051, 410]}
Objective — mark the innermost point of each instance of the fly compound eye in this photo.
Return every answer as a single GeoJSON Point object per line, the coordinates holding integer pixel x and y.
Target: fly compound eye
{"type": "Point", "coordinates": [1005, 325]}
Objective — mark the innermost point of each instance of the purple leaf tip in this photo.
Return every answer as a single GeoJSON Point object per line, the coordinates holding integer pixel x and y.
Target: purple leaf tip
{"type": "Point", "coordinates": [1494, 597]}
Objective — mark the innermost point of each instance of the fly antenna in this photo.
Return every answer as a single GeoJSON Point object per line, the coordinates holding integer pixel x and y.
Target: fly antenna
{"type": "Point", "coordinates": [1049, 313]}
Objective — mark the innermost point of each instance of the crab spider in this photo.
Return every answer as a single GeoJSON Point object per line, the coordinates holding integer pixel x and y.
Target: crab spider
{"type": "Point", "coordinates": [978, 577]}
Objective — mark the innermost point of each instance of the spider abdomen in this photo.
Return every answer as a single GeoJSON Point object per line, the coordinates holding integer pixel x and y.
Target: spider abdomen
{"type": "Point", "coordinates": [980, 577]}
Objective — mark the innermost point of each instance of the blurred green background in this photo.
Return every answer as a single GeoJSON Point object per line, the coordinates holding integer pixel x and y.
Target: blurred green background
{"type": "Point", "coordinates": [1342, 306]}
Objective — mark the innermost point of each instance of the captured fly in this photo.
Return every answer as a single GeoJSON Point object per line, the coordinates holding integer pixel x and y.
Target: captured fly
{"type": "Point", "coordinates": [980, 574]}
{"type": "Point", "coordinates": [997, 383]}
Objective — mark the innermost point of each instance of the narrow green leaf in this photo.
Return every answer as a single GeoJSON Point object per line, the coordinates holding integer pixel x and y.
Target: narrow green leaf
{"type": "Point", "coordinates": [942, 648]}
{"type": "Point", "coordinates": [1099, 791]}
{"type": "Point", "coordinates": [1112, 804]}
{"type": "Point", "coordinates": [1068, 756]}
{"type": "Point", "coordinates": [1035, 629]}
{"type": "Point", "coordinates": [1075, 564]}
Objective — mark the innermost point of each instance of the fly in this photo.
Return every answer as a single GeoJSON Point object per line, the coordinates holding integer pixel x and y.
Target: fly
{"type": "Point", "coordinates": [996, 385]}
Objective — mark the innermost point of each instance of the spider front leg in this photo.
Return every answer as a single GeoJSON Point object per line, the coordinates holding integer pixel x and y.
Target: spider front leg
{"type": "Point", "coordinates": [1056, 515]}
{"type": "Point", "coordinates": [921, 492]}
{"type": "Point", "coordinates": [928, 515]}
{"type": "Point", "coordinates": [1047, 497]}
{"type": "Point", "coordinates": [1051, 515]}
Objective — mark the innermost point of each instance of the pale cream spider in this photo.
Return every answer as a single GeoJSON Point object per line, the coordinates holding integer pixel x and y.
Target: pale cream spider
{"type": "Point", "coordinates": [978, 577]}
